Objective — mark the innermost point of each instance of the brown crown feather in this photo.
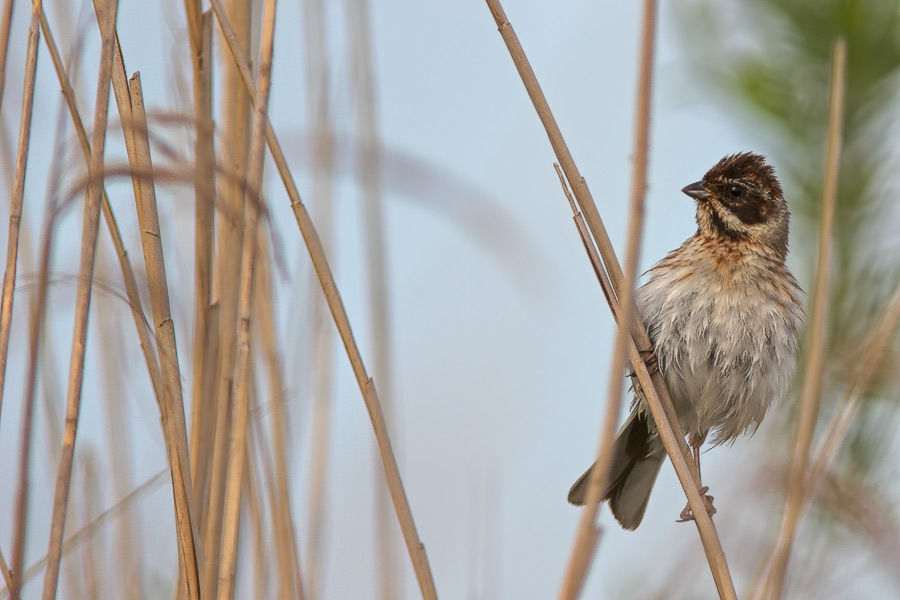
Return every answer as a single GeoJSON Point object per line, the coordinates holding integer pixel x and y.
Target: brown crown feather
{"type": "Point", "coordinates": [746, 166]}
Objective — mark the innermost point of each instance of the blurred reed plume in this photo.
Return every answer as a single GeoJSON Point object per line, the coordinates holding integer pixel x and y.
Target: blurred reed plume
{"type": "Point", "coordinates": [227, 442]}
{"type": "Point", "coordinates": [771, 77]}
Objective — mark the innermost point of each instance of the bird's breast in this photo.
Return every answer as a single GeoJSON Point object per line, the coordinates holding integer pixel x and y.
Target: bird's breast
{"type": "Point", "coordinates": [725, 339]}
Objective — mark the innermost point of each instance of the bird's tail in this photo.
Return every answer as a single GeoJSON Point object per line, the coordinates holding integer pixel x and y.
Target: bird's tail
{"type": "Point", "coordinates": [635, 465]}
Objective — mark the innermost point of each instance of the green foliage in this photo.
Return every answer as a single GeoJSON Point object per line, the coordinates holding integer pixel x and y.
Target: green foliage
{"type": "Point", "coordinates": [766, 65]}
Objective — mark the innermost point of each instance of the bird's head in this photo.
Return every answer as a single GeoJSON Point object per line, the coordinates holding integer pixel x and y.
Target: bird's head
{"type": "Point", "coordinates": [740, 199]}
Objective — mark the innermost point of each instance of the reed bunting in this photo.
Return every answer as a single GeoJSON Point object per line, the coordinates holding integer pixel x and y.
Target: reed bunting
{"type": "Point", "coordinates": [722, 312]}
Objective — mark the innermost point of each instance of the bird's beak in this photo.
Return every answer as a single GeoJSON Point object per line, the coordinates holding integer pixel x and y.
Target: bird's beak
{"type": "Point", "coordinates": [697, 190]}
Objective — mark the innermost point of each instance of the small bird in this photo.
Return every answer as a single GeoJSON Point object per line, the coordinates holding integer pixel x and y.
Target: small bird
{"type": "Point", "coordinates": [722, 312]}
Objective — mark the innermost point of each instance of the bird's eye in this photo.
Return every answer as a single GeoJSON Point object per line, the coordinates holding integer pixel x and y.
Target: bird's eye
{"type": "Point", "coordinates": [736, 191]}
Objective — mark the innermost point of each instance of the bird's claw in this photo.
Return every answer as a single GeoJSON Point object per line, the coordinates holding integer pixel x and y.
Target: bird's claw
{"type": "Point", "coordinates": [688, 515]}
{"type": "Point", "coordinates": [649, 358]}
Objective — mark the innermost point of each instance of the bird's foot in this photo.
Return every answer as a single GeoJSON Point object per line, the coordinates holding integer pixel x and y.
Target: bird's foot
{"type": "Point", "coordinates": [649, 358]}
{"type": "Point", "coordinates": [688, 515]}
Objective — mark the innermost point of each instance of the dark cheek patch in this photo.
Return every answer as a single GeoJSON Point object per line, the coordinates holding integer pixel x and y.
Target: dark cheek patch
{"type": "Point", "coordinates": [750, 211]}
{"type": "Point", "coordinates": [721, 228]}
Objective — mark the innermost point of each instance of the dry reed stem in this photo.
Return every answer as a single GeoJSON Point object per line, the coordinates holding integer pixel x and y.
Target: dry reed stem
{"type": "Point", "coordinates": [226, 289]}
{"type": "Point", "coordinates": [207, 434]}
{"type": "Point", "coordinates": [7, 575]}
{"type": "Point", "coordinates": [321, 419]}
{"type": "Point", "coordinates": [9, 279]}
{"type": "Point", "coordinates": [234, 482]}
{"type": "Point", "coordinates": [110, 334]}
{"type": "Point", "coordinates": [321, 336]}
{"type": "Point", "coordinates": [128, 276]}
{"type": "Point", "coordinates": [653, 386]}
{"type": "Point", "coordinates": [51, 392]}
{"type": "Point", "coordinates": [589, 247]}
{"type": "Point", "coordinates": [877, 349]}
{"type": "Point", "coordinates": [212, 524]}
{"type": "Point", "coordinates": [773, 582]}
{"type": "Point", "coordinates": [50, 386]}
{"type": "Point", "coordinates": [369, 164]}
{"type": "Point", "coordinates": [773, 579]}
{"type": "Point", "coordinates": [90, 229]}
{"type": "Point", "coordinates": [90, 528]}
{"type": "Point", "coordinates": [289, 578]}
{"type": "Point", "coordinates": [872, 359]}
{"type": "Point", "coordinates": [173, 417]}
{"type": "Point", "coordinates": [588, 209]}
{"type": "Point", "coordinates": [261, 474]}
{"type": "Point", "coordinates": [89, 492]}
{"type": "Point", "coordinates": [252, 485]}
{"type": "Point", "coordinates": [5, 23]}
{"type": "Point", "coordinates": [238, 440]}
{"type": "Point", "coordinates": [17, 199]}
{"type": "Point", "coordinates": [414, 546]}
{"type": "Point", "coordinates": [204, 229]}
{"type": "Point", "coordinates": [135, 134]}
{"type": "Point", "coordinates": [587, 536]}
{"type": "Point", "coordinates": [38, 304]}
{"type": "Point", "coordinates": [199, 51]}
{"type": "Point", "coordinates": [194, 16]}
{"type": "Point", "coordinates": [36, 322]}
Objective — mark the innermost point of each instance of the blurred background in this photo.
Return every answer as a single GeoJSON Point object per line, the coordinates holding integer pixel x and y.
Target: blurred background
{"type": "Point", "coordinates": [430, 181]}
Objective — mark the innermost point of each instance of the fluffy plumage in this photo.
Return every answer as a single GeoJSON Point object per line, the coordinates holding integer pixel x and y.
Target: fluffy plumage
{"type": "Point", "coordinates": [722, 312]}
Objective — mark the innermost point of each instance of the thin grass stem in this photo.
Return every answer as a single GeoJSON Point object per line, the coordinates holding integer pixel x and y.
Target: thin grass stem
{"type": "Point", "coordinates": [106, 11]}
{"type": "Point", "coordinates": [810, 396]}
{"type": "Point", "coordinates": [226, 287]}
{"type": "Point", "coordinates": [654, 388]}
{"type": "Point", "coordinates": [173, 419]}
{"type": "Point", "coordinates": [872, 359]}
{"type": "Point", "coordinates": [5, 26]}
{"type": "Point", "coordinates": [128, 275]}
{"type": "Point", "coordinates": [202, 408]}
{"type": "Point", "coordinates": [234, 482]}
{"type": "Point", "coordinates": [91, 527]}
{"type": "Point", "coordinates": [285, 535]}
{"type": "Point", "coordinates": [9, 279]}
{"type": "Point", "coordinates": [587, 536]}
{"type": "Point", "coordinates": [320, 335]}
{"type": "Point", "coordinates": [368, 163]}
{"type": "Point", "coordinates": [317, 254]}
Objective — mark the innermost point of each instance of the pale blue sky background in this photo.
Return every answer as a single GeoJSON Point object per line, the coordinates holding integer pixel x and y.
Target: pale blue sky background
{"type": "Point", "coordinates": [501, 358]}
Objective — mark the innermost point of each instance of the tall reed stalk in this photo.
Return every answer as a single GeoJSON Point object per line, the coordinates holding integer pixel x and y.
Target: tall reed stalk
{"type": "Point", "coordinates": [204, 307]}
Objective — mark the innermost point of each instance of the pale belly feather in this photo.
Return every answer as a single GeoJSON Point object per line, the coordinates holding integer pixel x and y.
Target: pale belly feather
{"type": "Point", "coordinates": [725, 342]}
